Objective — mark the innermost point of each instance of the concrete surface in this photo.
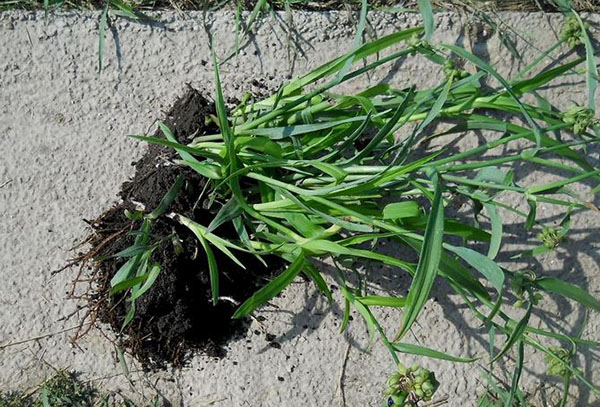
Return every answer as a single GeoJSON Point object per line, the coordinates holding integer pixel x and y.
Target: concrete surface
{"type": "Point", "coordinates": [65, 152]}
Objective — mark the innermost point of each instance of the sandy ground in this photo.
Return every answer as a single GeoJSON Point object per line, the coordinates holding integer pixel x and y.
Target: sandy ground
{"type": "Point", "coordinates": [65, 152]}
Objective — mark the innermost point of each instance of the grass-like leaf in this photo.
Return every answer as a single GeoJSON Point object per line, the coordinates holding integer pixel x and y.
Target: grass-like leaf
{"type": "Point", "coordinates": [429, 260]}
{"type": "Point", "coordinates": [430, 353]}
{"type": "Point", "coordinates": [481, 263]}
{"type": "Point", "coordinates": [274, 287]}
{"type": "Point", "coordinates": [571, 291]}
{"type": "Point", "coordinates": [427, 14]}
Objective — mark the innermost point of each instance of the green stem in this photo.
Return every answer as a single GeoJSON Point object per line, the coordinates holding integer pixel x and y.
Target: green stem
{"type": "Point", "coordinates": [538, 60]}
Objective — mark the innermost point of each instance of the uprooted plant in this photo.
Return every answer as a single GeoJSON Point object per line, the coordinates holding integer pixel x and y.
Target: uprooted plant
{"type": "Point", "coordinates": [310, 174]}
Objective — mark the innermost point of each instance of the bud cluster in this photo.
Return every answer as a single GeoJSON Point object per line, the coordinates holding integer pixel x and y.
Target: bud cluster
{"type": "Point", "coordinates": [523, 283]}
{"type": "Point", "coordinates": [550, 237]}
{"type": "Point", "coordinates": [580, 118]}
{"type": "Point", "coordinates": [572, 32]}
{"type": "Point", "coordinates": [452, 72]}
{"type": "Point", "coordinates": [416, 41]}
{"type": "Point", "coordinates": [408, 386]}
{"type": "Point", "coordinates": [556, 367]}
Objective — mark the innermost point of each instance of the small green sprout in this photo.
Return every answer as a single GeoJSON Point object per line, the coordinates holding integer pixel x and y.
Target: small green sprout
{"type": "Point", "coordinates": [572, 32]}
{"type": "Point", "coordinates": [579, 118]}
{"type": "Point", "coordinates": [556, 367]}
{"type": "Point", "coordinates": [409, 386]}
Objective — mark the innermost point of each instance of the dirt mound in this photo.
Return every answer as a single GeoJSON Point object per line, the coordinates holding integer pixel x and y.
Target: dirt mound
{"type": "Point", "coordinates": [176, 315]}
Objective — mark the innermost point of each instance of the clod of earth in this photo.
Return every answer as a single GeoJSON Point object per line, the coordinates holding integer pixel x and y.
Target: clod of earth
{"type": "Point", "coordinates": [177, 314]}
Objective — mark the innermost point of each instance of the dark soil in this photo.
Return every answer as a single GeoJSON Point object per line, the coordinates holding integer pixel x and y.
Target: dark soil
{"type": "Point", "coordinates": [176, 315]}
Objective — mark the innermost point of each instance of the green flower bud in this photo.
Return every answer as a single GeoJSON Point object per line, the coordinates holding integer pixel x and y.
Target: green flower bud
{"type": "Point", "coordinates": [556, 367]}
{"type": "Point", "coordinates": [417, 41]}
{"type": "Point", "coordinates": [572, 32]}
{"type": "Point", "coordinates": [580, 118]}
{"type": "Point", "coordinates": [414, 367]}
{"type": "Point", "coordinates": [420, 393]}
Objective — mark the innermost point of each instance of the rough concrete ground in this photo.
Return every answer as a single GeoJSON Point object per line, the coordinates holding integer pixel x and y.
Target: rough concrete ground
{"type": "Point", "coordinates": [65, 152]}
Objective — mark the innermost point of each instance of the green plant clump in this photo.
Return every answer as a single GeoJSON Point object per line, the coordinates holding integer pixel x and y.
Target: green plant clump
{"type": "Point", "coordinates": [408, 386]}
{"type": "Point", "coordinates": [309, 174]}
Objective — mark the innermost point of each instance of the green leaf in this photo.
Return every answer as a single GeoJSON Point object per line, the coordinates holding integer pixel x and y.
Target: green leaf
{"type": "Point", "coordinates": [209, 171]}
{"type": "Point", "coordinates": [128, 284]}
{"type": "Point", "coordinates": [337, 64]}
{"type": "Point", "coordinates": [592, 69]}
{"type": "Point", "coordinates": [261, 145]}
{"type": "Point", "coordinates": [277, 285]}
{"type": "Point", "coordinates": [398, 210]}
{"type": "Point", "coordinates": [213, 268]}
{"type": "Point", "coordinates": [517, 332]}
{"type": "Point", "coordinates": [429, 261]}
{"type": "Point", "coordinates": [124, 271]}
{"type": "Point", "coordinates": [334, 171]}
{"type": "Point", "coordinates": [185, 155]}
{"type": "Point", "coordinates": [173, 144]}
{"type": "Point", "coordinates": [427, 13]}
{"type": "Point", "coordinates": [281, 133]}
{"type": "Point", "coordinates": [496, 222]}
{"type": "Point", "coordinates": [486, 67]}
{"type": "Point", "coordinates": [429, 353]}
{"type": "Point", "coordinates": [382, 301]}
{"type": "Point", "coordinates": [514, 387]}
{"type": "Point", "coordinates": [149, 281]}
{"type": "Point", "coordinates": [571, 291]}
{"type": "Point", "coordinates": [129, 317]}
{"type": "Point", "coordinates": [202, 233]}
{"type": "Point", "coordinates": [303, 224]}
{"type": "Point", "coordinates": [314, 274]}
{"type": "Point", "coordinates": [167, 199]}
{"type": "Point", "coordinates": [228, 212]}
{"type": "Point", "coordinates": [530, 221]}
{"type": "Point", "coordinates": [481, 263]}
{"type": "Point", "coordinates": [133, 251]}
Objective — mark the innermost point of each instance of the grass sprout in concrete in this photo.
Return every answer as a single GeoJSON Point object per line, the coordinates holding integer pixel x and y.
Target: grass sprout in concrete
{"type": "Point", "coordinates": [65, 389]}
{"type": "Point", "coordinates": [309, 175]}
